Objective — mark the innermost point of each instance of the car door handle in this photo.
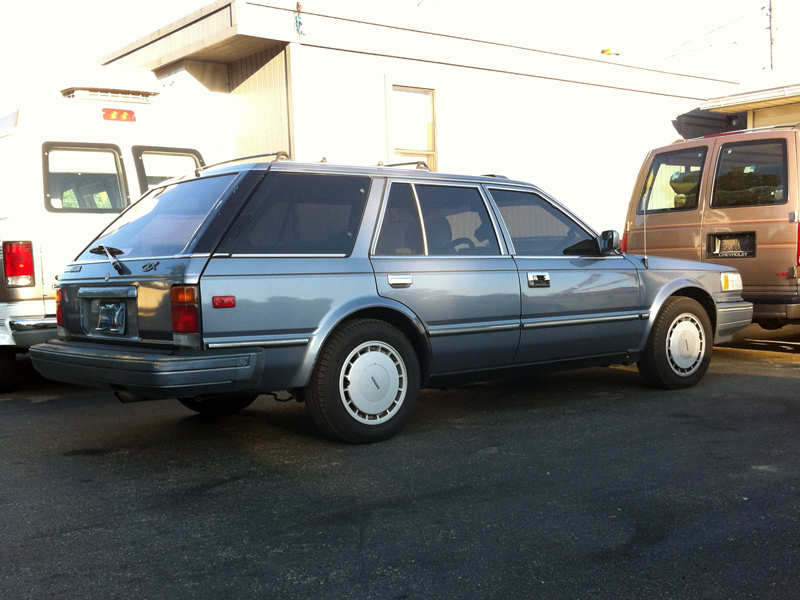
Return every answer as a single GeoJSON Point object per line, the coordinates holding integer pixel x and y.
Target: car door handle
{"type": "Point", "coordinates": [538, 280]}
{"type": "Point", "coordinates": [400, 281]}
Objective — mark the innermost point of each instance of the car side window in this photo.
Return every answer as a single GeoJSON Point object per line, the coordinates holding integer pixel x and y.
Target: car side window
{"type": "Point", "coordinates": [455, 221]}
{"type": "Point", "coordinates": [750, 174]}
{"type": "Point", "coordinates": [299, 213]}
{"type": "Point", "coordinates": [673, 182]}
{"type": "Point", "coordinates": [401, 233]}
{"type": "Point", "coordinates": [537, 228]}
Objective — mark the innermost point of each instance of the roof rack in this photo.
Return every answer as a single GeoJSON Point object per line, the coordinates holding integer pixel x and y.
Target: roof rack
{"type": "Point", "coordinates": [796, 126]}
{"type": "Point", "coordinates": [419, 164]}
{"type": "Point", "coordinates": [280, 154]}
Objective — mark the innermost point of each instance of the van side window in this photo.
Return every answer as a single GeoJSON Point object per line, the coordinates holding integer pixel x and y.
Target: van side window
{"type": "Point", "coordinates": [750, 174]}
{"type": "Point", "coordinates": [673, 182]}
{"type": "Point", "coordinates": [537, 228]}
{"type": "Point", "coordinates": [82, 178]}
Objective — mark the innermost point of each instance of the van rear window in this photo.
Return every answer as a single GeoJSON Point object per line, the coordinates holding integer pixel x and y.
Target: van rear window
{"type": "Point", "coordinates": [750, 174]}
{"type": "Point", "coordinates": [673, 182]}
{"type": "Point", "coordinates": [84, 178]}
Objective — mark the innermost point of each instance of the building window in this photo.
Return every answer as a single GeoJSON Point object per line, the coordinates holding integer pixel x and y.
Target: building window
{"type": "Point", "coordinates": [414, 125]}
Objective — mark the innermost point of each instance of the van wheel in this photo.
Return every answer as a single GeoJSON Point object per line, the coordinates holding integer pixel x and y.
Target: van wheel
{"type": "Point", "coordinates": [8, 365]}
{"type": "Point", "coordinates": [218, 406]}
{"type": "Point", "coordinates": [365, 383]}
{"type": "Point", "coordinates": [679, 348]}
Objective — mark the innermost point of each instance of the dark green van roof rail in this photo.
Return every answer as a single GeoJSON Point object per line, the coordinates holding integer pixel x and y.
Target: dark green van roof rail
{"type": "Point", "coordinates": [276, 156]}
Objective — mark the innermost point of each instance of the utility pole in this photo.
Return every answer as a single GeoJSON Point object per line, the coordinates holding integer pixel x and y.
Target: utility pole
{"type": "Point", "coordinates": [771, 37]}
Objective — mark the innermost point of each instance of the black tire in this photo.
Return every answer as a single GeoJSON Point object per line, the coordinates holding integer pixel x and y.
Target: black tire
{"type": "Point", "coordinates": [678, 350]}
{"type": "Point", "coordinates": [365, 384]}
{"type": "Point", "coordinates": [218, 406]}
{"type": "Point", "coordinates": [8, 366]}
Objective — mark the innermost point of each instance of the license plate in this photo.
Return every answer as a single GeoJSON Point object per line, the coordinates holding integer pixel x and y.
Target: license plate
{"type": "Point", "coordinates": [732, 245]}
{"type": "Point", "coordinates": [111, 317]}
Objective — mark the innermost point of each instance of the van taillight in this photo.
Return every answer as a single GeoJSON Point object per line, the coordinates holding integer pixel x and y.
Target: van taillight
{"type": "Point", "coordinates": [18, 263]}
{"type": "Point", "coordinates": [184, 303]}
{"type": "Point", "coordinates": [59, 319]}
{"type": "Point", "coordinates": [624, 244]}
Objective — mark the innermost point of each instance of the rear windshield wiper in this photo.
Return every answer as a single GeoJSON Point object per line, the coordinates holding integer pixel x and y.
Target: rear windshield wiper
{"type": "Point", "coordinates": [111, 253]}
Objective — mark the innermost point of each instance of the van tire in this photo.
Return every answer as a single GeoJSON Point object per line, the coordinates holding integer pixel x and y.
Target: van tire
{"type": "Point", "coordinates": [8, 365]}
{"type": "Point", "coordinates": [678, 350]}
{"type": "Point", "coordinates": [365, 384]}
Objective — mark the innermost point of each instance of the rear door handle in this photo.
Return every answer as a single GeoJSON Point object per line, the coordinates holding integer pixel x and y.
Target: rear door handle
{"type": "Point", "coordinates": [400, 281]}
{"type": "Point", "coordinates": [538, 280]}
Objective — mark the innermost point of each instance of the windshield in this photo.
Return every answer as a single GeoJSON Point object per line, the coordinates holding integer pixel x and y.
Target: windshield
{"type": "Point", "coordinates": [165, 222]}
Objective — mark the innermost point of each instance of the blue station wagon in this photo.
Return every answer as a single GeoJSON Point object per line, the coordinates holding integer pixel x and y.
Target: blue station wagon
{"type": "Point", "coordinates": [353, 288]}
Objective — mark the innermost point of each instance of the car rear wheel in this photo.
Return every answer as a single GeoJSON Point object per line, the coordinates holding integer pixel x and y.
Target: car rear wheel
{"type": "Point", "coordinates": [365, 384]}
{"type": "Point", "coordinates": [679, 348]}
{"type": "Point", "coordinates": [218, 406]}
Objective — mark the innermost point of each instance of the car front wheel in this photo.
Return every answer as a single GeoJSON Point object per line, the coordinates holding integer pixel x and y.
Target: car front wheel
{"type": "Point", "coordinates": [679, 348]}
{"type": "Point", "coordinates": [365, 384]}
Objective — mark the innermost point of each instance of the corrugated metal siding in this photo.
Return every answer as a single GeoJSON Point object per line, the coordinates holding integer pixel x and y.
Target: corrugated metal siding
{"type": "Point", "coordinates": [260, 82]}
{"type": "Point", "coordinates": [779, 115]}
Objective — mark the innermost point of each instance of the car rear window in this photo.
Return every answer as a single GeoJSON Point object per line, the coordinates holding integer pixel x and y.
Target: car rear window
{"type": "Point", "coordinates": [165, 222]}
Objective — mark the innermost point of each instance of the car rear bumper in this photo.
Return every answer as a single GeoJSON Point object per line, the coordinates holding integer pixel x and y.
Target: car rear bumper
{"type": "Point", "coordinates": [731, 317]}
{"type": "Point", "coordinates": [149, 374]}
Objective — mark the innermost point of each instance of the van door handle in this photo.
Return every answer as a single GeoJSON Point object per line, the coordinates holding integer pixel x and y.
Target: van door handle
{"type": "Point", "coordinates": [538, 280]}
{"type": "Point", "coordinates": [400, 281]}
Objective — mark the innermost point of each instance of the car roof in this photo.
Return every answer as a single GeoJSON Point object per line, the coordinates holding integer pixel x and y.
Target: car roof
{"type": "Point", "coordinates": [389, 171]}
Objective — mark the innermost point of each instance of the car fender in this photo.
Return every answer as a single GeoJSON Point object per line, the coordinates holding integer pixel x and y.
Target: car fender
{"type": "Point", "coordinates": [357, 307]}
{"type": "Point", "coordinates": [682, 286]}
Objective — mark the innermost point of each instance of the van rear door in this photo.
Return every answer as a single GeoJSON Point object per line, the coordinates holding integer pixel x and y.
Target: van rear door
{"type": "Point", "coordinates": [666, 210]}
{"type": "Point", "coordinates": [752, 200]}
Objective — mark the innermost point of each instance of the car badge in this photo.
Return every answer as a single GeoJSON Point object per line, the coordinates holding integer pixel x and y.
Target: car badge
{"type": "Point", "coordinates": [151, 266]}
{"type": "Point", "coordinates": [108, 276]}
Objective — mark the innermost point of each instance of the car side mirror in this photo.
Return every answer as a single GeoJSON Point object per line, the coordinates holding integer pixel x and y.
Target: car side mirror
{"type": "Point", "coordinates": [609, 242]}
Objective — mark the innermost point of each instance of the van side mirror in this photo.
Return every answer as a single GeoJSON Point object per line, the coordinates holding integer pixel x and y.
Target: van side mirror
{"type": "Point", "coordinates": [609, 242]}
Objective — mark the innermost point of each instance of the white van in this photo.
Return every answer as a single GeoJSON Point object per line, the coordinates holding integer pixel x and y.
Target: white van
{"type": "Point", "coordinates": [68, 165]}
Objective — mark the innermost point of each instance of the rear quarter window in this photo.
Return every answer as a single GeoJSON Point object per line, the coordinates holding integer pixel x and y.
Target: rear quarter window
{"type": "Point", "coordinates": [302, 213]}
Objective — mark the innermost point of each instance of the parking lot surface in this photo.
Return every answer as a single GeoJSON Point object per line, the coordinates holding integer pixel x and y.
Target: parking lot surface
{"type": "Point", "coordinates": [584, 484]}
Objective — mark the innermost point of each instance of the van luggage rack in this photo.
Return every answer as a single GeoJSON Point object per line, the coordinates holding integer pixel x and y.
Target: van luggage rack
{"type": "Point", "coordinates": [280, 154]}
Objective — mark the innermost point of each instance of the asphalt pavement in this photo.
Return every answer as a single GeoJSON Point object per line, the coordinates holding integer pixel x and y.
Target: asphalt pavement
{"type": "Point", "coordinates": [584, 484]}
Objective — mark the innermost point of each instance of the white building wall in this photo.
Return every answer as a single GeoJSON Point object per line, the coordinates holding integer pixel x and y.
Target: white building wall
{"type": "Point", "coordinates": [581, 143]}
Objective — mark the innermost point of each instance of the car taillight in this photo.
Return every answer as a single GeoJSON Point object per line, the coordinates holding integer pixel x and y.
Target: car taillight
{"type": "Point", "coordinates": [624, 244]}
{"type": "Point", "coordinates": [18, 263]}
{"type": "Point", "coordinates": [59, 319]}
{"type": "Point", "coordinates": [184, 303]}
